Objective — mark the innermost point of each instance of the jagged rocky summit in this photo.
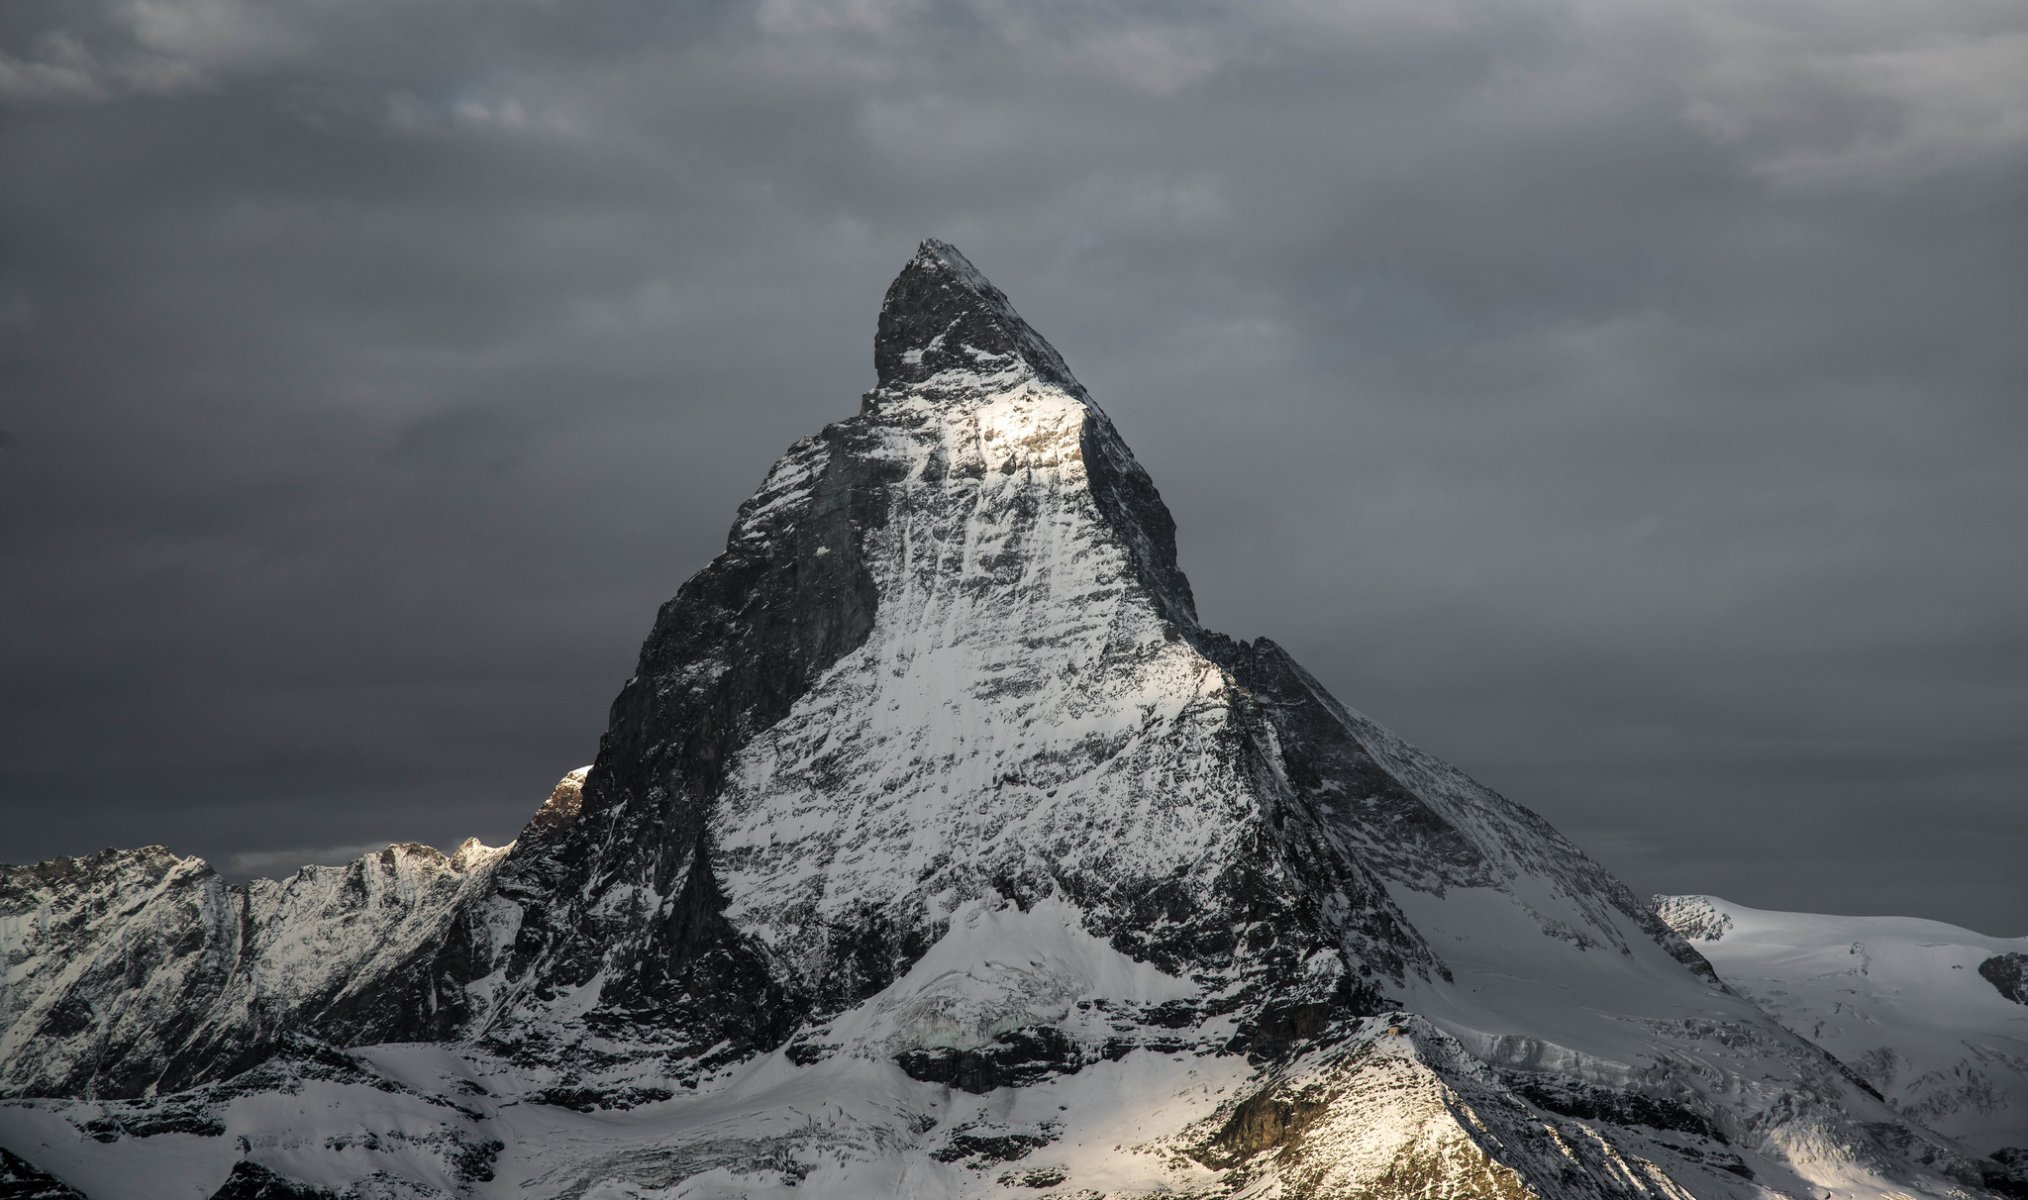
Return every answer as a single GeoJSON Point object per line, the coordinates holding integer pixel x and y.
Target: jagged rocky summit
{"type": "Point", "coordinates": [933, 849]}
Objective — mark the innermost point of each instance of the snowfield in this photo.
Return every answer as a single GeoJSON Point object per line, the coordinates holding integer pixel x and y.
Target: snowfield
{"type": "Point", "coordinates": [1899, 1000]}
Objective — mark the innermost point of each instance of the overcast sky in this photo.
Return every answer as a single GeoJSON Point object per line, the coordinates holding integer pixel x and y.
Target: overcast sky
{"type": "Point", "coordinates": [1624, 399]}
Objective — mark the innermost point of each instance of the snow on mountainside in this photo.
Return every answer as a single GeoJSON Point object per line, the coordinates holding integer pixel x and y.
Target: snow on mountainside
{"type": "Point", "coordinates": [136, 970]}
{"type": "Point", "coordinates": [935, 849]}
{"type": "Point", "coordinates": [1921, 1010]}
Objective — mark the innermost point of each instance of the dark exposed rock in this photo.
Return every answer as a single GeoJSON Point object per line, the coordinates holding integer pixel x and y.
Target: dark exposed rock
{"type": "Point", "coordinates": [993, 1147]}
{"type": "Point", "coordinates": [1014, 1059]}
{"type": "Point", "coordinates": [939, 311]}
{"type": "Point", "coordinates": [739, 643]}
{"type": "Point", "coordinates": [251, 1181]}
{"type": "Point", "coordinates": [1592, 1103]}
{"type": "Point", "coordinates": [473, 1161]}
{"type": "Point", "coordinates": [147, 1122]}
{"type": "Point", "coordinates": [2008, 973]}
{"type": "Point", "coordinates": [587, 1099]}
{"type": "Point", "coordinates": [1176, 1014]}
{"type": "Point", "coordinates": [805, 1054]}
{"type": "Point", "coordinates": [2006, 1171]}
{"type": "Point", "coordinates": [1034, 1177]}
{"type": "Point", "coordinates": [1280, 1027]}
{"type": "Point", "coordinates": [71, 1015]}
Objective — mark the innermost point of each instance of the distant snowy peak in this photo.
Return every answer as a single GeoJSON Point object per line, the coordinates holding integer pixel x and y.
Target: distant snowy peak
{"type": "Point", "coordinates": [1912, 1005]}
{"type": "Point", "coordinates": [132, 970]}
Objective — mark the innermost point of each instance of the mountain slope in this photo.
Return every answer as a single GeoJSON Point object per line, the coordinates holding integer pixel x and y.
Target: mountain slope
{"type": "Point", "coordinates": [935, 848]}
{"type": "Point", "coordinates": [139, 971]}
{"type": "Point", "coordinates": [1921, 1010]}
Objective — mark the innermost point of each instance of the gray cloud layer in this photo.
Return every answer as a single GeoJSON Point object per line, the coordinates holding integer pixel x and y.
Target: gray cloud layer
{"type": "Point", "coordinates": [1620, 398]}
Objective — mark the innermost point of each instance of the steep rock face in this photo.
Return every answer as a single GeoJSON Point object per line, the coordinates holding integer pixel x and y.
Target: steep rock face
{"type": "Point", "coordinates": [138, 971]}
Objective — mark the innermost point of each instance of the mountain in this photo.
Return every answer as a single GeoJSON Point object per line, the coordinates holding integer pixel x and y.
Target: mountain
{"type": "Point", "coordinates": [934, 848]}
{"type": "Point", "coordinates": [1932, 1016]}
{"type": "Point", "coordinates": [136, 971]}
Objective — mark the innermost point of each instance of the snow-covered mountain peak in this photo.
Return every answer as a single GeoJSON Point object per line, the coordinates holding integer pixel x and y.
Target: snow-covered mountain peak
{"type": "Point", "coordinates": [932, 833]}
{"type": "Point", "coordinates": [943, 317]}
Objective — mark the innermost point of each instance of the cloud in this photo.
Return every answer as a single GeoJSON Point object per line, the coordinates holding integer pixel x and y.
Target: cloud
{"type": "Point", "coordinates": [64, 69]}
{"type": "Point", "coordinates": [1620, 398]}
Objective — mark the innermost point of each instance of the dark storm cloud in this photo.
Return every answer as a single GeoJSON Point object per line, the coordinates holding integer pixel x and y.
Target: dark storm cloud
{"type": "Point", "coordinates": [1620, 399]}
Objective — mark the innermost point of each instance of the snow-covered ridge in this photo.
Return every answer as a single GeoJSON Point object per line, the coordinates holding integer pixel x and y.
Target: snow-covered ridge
{"type": "Point", "coordinates": [139, 970]}
{"type": "Point", "coordinates": [1901, 1001]}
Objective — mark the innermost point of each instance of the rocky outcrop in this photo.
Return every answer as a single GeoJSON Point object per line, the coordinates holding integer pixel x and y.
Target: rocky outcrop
{"type": "Point", "coordinates": [251, 1181]}
{"type": "Point", "coordinates": [2008, 973]}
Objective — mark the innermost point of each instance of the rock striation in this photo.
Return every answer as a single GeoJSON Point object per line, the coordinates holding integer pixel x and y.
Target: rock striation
{"type": "Point", "coordinates": [134, 972]}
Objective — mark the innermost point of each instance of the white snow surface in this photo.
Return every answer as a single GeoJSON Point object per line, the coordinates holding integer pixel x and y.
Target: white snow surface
{"type": "Point", "coordinates": [1898, 999]}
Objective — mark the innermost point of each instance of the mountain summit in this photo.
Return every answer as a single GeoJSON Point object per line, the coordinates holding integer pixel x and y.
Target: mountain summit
{"type": "Point", "coordinates": [941, 315]}
{"type": "Point", "coordinates": [935, 849]}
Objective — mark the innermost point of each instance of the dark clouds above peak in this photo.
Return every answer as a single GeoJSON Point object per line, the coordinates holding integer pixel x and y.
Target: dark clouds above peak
{"type": "Point", "coordinates": [1622, 399]}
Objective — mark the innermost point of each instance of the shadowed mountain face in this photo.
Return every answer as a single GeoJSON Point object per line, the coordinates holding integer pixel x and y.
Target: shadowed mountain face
{"type": "Point", "coordinates": [932, 833]}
